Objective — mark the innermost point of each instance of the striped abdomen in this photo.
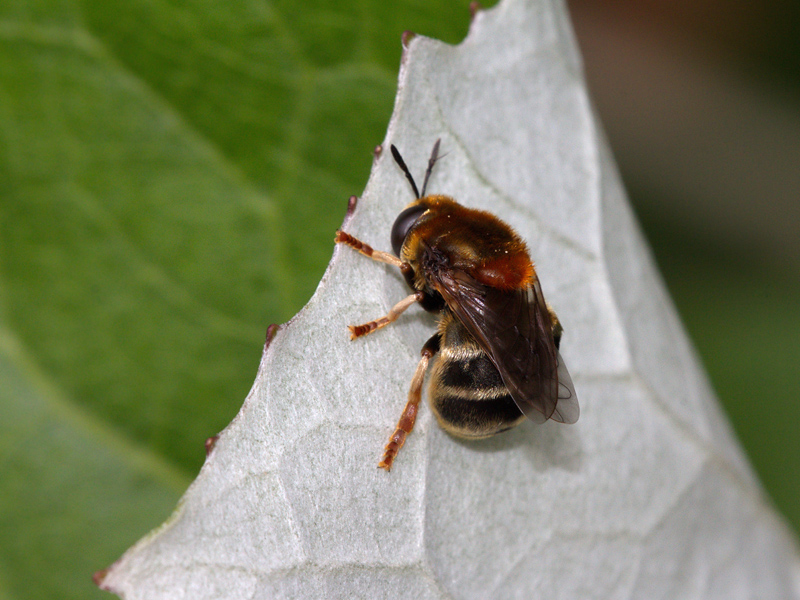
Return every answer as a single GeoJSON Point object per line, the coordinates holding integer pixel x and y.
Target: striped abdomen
{"type": "Point", "coordinates": [466, 392]}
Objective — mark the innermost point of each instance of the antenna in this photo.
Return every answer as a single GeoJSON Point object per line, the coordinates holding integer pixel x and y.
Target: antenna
{"type": "Point", "coordinates": [431, 161]}
{"type": "Point", "coordinates": [399, 160]}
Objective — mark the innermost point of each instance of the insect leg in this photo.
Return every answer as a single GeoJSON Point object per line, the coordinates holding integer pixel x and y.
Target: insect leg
{"type": "Point", "coordinates": [409, 416]}
{"type": "Point", "coordinates": [367, 250]}
{"type": "Point", "coordinates": [558, 330]}
{"type": "Point", "coordinates": [397, 310]}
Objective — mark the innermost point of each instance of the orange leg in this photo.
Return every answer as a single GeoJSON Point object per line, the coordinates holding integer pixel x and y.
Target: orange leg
{"type": "Point", "coordinates": [406, 423]}
{"type": "Point", "coordinates": [367, 250]}
{"type": "Point", "coordinates": [398, 309]}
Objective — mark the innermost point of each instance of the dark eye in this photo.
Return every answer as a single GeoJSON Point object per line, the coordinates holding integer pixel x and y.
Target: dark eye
{"type": "Point", "coordinates": [403, 224]}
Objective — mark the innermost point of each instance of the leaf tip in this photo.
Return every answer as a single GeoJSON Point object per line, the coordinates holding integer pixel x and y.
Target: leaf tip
{"type": "Point", "coordinates": [271, 331]}
{"type": "Point", "coordinates": [352, 202]}
{"type": "Point", "coordinates": [99, 576]}
{"type": "Point", "coordinates": [407, 37]}
{"type": "Point", "coordinates": [210, 443]}
{"type": "Point", "coordinates": [474, 8]}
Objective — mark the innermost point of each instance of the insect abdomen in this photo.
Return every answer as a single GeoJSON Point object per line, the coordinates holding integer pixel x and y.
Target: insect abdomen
{"type": "Point", "coordinates": [466, 392]}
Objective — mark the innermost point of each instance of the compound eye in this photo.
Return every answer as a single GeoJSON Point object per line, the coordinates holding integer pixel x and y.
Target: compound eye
{"type": "Point", "coordinates": [403, 224]}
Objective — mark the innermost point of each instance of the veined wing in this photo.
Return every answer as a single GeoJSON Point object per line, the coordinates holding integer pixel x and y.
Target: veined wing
{"type": "Point", "coordinates": [515, 329]}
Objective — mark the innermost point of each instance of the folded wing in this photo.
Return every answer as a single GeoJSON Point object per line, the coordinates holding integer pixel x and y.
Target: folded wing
{"type": "Point", "coordinates": [515, 329]}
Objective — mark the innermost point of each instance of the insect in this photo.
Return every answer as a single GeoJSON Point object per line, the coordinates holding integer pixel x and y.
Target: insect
{"type": "Point", "coordinates": [496, 349]}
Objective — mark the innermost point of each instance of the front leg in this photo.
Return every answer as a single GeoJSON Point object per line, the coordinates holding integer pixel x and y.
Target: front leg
{"type": "Point", "coordinates": [367, 250]}
{"type": "Point", "coordinates": [357, 331]}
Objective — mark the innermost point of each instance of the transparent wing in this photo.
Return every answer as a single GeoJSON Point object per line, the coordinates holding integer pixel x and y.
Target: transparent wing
{"type": "Point", "coordinates": [567, 410]}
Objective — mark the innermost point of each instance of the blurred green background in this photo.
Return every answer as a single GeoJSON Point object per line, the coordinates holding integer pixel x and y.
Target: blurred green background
{"type": "Point", "coordinates": [156, 160]}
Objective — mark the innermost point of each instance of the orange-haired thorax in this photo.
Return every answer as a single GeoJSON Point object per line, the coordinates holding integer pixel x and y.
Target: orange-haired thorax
{"type": "Point", "coordinates": [473, 241]}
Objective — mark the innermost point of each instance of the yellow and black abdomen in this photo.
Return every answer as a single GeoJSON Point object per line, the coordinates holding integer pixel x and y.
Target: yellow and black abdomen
{"type": "Point", "coordinates": [466, 392]}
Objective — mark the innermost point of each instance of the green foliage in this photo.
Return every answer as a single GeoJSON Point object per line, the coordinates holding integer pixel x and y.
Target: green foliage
{"type": "Point", "coordinates": [172, 175]}
{"type": "Point", "coordinates": [741, 310]}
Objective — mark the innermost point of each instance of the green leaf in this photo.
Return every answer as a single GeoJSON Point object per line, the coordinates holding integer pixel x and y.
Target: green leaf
{"type": "Point", "coordinates": [171, 177]}
{"type": "Point", "coordinates": [648, 495]}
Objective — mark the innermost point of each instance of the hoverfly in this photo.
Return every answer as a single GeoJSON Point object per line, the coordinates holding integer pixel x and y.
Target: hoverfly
{"type": "Point", "coordinates": [496, 350]}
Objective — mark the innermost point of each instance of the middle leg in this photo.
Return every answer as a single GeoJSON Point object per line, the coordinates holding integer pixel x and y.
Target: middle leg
{"type": "Point", "coordinates": [398, 309]}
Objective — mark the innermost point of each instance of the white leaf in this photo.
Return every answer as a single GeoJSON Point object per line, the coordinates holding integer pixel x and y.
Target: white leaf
{"type": "Point", "coordinates": [647, 496]}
